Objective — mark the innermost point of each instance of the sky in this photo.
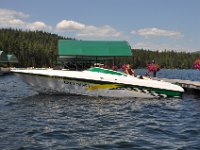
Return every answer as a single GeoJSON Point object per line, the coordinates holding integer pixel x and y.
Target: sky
{"type": "Point", "coordinates": [148, 24]}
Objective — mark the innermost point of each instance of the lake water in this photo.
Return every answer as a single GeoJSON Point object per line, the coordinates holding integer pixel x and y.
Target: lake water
{"type": "Point", "coordinates": [29, 120]}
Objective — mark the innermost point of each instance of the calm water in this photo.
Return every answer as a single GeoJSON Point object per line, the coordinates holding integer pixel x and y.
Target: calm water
{"type": "Point", "coordinates": [33, 121]}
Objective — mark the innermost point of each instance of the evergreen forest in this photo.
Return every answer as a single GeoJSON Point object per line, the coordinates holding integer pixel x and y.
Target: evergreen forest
{"type": "Point", "coordinates": [39, 49]}
{"type": "Point", "coordinates": [32, 48]}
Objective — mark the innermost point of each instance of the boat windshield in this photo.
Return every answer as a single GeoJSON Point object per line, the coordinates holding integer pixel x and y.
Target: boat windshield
{"type": "Point", "coordinates": [106, 71]}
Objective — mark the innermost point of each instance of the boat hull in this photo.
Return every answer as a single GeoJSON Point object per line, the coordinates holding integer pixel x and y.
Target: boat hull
{"type": "Point", "coordinates": [81, 86]}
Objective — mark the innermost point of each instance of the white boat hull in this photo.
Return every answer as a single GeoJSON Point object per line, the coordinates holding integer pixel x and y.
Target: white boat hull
{"type": "Point", "coordinates": [64, 86]}
{"type": "Point", "coordinates": [96, 84]}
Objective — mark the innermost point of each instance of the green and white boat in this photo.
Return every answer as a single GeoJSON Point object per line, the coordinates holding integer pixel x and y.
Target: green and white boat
{"type": "Point", "coordinates": [95, 81]}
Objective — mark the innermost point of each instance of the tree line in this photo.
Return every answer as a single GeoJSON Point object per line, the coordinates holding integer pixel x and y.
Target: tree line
{"type": "Point", "coordinates": [166, 59]}
{"type": "Point", "coordinates": [39, 49]}
{"type": "Point", "coordinates": [32, 48]}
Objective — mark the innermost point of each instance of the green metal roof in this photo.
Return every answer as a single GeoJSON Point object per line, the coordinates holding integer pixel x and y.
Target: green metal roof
{"type": "Point", "coordinates": [93, 48]}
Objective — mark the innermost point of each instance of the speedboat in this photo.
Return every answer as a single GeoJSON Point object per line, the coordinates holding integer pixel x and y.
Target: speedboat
{"type": "Point", "coordinates": [96, 81]}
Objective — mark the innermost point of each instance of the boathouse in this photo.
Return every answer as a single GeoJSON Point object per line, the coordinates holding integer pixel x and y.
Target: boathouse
{"type": "Point", "coordinates": [7, 58]}
{"type": "Point", "coordinates": [3, 57]}
{"type": "Point", "coordinates": [85, 53]}
{"type": "Point", "coordinates": [12, 58]}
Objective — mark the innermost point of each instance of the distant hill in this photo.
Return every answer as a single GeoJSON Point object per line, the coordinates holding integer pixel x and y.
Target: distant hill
{"type": "Point", "coordinates": [32, 48]}
{"type": "Point", "coordinates": [39, 49]}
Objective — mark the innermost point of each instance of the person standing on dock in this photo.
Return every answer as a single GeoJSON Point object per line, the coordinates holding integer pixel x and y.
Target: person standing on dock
{"type": "Point", "coordinates": [154, 68]}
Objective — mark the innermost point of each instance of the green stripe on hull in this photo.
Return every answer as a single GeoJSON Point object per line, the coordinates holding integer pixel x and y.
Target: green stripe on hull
{"type": "Point", "coordinates": [169, 93]}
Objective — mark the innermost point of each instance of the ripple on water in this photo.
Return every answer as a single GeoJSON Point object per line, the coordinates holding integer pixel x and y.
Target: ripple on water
{"type": "Point", "coordinates": [34, 121]}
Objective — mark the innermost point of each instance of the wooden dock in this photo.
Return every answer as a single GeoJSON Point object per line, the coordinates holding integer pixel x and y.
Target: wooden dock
{"type": "Point", "coordinates": [186, 84]}
{"type": "Point", "coordinates": [4, 71]}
